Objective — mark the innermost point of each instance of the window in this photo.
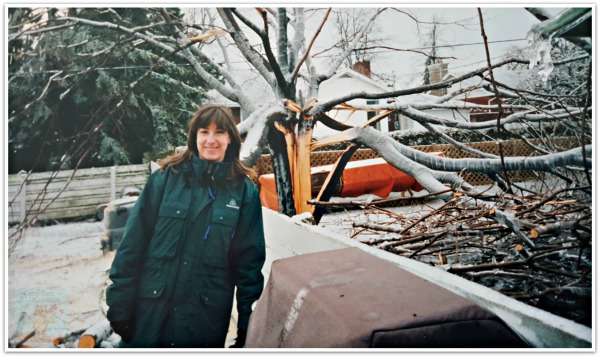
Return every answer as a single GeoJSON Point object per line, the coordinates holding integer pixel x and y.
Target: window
{"type": "Point", "coordinates": [372, 114]}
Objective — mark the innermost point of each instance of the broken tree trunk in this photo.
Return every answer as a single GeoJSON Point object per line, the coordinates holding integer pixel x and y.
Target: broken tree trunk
{"type": "Point", "coordinates": [281, 170]}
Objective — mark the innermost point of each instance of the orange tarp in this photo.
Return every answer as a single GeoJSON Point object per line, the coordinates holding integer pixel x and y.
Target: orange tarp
{"type": "Point", "coordinates": [374, 176]}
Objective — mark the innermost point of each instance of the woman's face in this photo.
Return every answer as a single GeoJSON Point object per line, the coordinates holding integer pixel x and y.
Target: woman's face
{"type": "Point", "coordinates": [212, 143]}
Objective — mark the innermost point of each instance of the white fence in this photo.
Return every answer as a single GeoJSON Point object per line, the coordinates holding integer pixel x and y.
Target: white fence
{"type": "Point", "coordinates": [68, 193]}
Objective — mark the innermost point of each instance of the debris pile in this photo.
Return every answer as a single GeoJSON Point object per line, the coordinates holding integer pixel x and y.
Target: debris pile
{"type": "Point", "coordinates": [534, 248]}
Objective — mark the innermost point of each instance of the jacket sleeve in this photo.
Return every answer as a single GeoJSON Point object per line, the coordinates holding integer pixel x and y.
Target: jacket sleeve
{"type": "Point", "coordinates": [129, 259]}
{"type": "Point", "coordinates": [247, 254]}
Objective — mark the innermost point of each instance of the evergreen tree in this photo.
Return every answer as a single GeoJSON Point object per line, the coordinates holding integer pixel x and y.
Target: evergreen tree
{"type": "Point", "coordinates": [85, 96]}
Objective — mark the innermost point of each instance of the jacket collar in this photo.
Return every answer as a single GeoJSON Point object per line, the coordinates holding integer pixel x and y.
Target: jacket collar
{"type": "Point", "coordinates": [201, 167]}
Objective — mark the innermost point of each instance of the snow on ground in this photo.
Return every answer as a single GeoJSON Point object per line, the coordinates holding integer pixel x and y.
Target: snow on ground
{"type": "Point", "coordinates": [56, 277]}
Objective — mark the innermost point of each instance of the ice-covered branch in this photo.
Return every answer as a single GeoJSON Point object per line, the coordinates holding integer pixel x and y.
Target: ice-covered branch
{"type": "Point", "coordinates": [178, 51]}
{"type": "Point", "coordinates": [416, 112]}
{"type": "Point", "coordinates": [282, 41]}
{"type": "Point", "coordinates": [236, 90]}
{"type": "Point", "coordinates": [277, 67]}
{"type": "Point", "coordinates": [456, 93]}
{"type": "Point", "coordinates": [38, 31]}
{"type": "Point", "coordinates": [324, 107]}
{"type": "Point", "coordinates": [234, 93]}
{"type": "Point", "coordinates": [307, 51]}
{"type": "Point", "coordinates": [454, 105]}
{"type": "Point", "coordinates": [432, 119]}
{"type": "Point", "coordinates": [110, 25]}
{"type": "Point", "coordinates": [254, 27]}
{"type": "Point", "coordinates": [273, 18]}
{"type": "Point", "coordinates": [458, 145]}
{"type": "Point", "coordinates": [369, 136]}
{"type": "Point", "coordinates": [298, 41]}
{"type": "Point", "coordinates": [243, 45]}
{"type": "Point", "coordinates": [187, 52]}
{"type": "Point", "coordinates": [256, 135]}
{"type": "Point", "coordinates": [45, 90]}
{"type": "Point", "coordinates": [389, 149]}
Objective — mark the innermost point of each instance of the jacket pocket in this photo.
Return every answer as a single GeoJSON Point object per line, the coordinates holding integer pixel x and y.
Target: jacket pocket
{"type": "Point", "coordinates": [168, 231]}
{"type": "Point", "coordinates": [224, 221]}
{"type": "Point", "coordinates": [226, 217]}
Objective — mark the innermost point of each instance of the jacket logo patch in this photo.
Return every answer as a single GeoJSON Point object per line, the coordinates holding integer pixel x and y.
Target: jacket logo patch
{"type": "Point", "coordinates": [233, 204]}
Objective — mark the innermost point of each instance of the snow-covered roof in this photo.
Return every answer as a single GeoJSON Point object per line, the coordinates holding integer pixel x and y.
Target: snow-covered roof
{"type": "Point", "coordinates": [511, 78]}
{"type": "Point", "coordinates": [423, 98]}
{"type": "Point", "coordinates": [348, 72]}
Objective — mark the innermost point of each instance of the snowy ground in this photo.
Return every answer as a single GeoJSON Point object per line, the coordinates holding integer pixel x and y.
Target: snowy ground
{"type": "Point", "coordinates": [56, 276]}
{"type": "Point", "coordinates": [56, 281]}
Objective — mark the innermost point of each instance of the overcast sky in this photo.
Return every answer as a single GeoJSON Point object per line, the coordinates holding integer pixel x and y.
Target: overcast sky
{"type": "Point", "coordinates": [459, 37]}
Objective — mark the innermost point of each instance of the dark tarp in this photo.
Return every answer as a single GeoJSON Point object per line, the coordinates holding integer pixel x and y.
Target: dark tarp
{"type": "Point", "coordinates": [349, 298]}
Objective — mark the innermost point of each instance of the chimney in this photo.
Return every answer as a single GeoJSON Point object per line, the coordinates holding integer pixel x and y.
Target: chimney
{"type": "Point", "coordinates": [437, 72]}
{"type": "Point", "coordinates": [363, 67]}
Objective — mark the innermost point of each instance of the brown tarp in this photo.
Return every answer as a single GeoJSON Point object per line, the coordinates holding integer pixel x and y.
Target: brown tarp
{"type": "Point", "coordinates": [349, 298]}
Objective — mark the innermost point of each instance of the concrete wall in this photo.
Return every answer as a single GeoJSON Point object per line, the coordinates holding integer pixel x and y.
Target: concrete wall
{"type": "Point", "coordinates": [286, 237]}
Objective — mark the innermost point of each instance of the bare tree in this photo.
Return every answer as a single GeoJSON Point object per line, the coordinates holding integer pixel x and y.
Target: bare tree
{"type": "Point", "coordinates": [278, 46]}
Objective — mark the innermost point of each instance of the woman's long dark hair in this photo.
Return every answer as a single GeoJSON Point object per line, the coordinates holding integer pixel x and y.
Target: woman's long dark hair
{"type": "Point", "coordinates": [224, 120]}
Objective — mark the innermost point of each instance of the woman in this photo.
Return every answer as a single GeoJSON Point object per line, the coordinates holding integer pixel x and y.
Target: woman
{"type": "Point", "coordinates": [194, 235]}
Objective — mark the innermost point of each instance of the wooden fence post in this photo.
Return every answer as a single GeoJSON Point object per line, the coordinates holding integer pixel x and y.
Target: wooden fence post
{"type": "Point", "coordinates": [113, 183]}
{"type": "Point", "coordinates": [23, 198]}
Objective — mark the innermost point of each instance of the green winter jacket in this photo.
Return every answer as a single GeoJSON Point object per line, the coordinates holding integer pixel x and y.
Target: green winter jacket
{"type": "Point", "coordinates": [191, 238]}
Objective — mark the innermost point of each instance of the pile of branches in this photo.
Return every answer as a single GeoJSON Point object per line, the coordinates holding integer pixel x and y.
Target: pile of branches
{"type": "Point", "coordinates": [534, 248]}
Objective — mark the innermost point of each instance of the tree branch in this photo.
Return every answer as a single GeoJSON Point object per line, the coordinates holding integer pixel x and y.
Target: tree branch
{"type": "Point", "coordinates": [306, 53]}
{"type": "Point", "coordinates": [402, 92]}
{"type": "Point", "coordinates": [339, 59]}
{"type": "Point", "coordinates": [264, 36]}
{"type": "Point", "coordinates": [244, 46]}
{"type": "Point", "coordinates": [373, 138]}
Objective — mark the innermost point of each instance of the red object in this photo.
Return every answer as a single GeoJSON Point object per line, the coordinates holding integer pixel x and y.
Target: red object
{"type": "Point", "coordinates": [373, 176]}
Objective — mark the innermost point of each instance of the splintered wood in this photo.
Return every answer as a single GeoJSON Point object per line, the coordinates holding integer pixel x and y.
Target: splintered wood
{"type": "Point", "coordinates": [534, 248]}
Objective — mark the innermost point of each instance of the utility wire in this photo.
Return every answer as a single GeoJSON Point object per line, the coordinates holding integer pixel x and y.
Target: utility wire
{"type": "Point", "coordinates": [441, 46]}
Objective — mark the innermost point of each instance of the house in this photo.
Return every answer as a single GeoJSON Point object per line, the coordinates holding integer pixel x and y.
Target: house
{"type": "Point", "coordinates": [405, 123]}
{"type": "Point", "coordinates": [347, 81]}
{"type": "Point", "coordinates": [359, 79]}
{"type": "Point", "coordinates": [215, 97]}
{"type": "Point", "coordinates": [481, 96]}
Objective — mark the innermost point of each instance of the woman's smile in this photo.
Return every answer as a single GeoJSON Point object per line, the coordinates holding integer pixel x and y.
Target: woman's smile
{"type": "Point", "coordinates": [212, 142]}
